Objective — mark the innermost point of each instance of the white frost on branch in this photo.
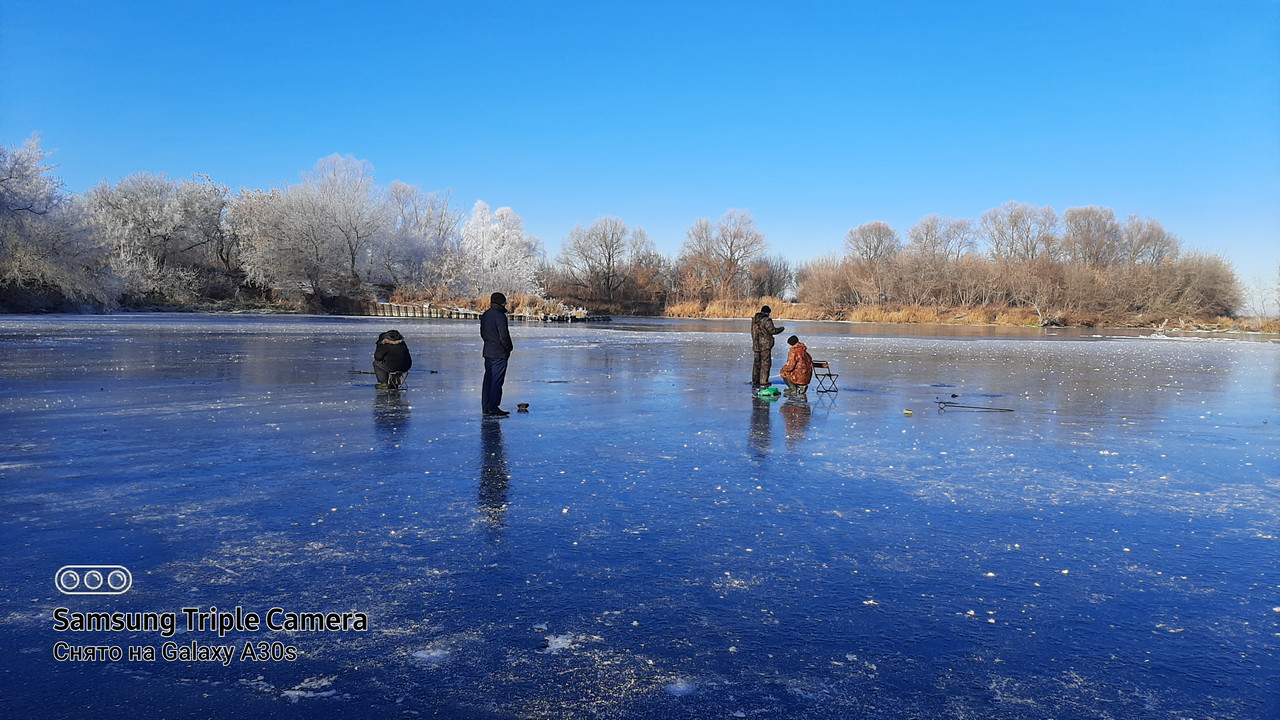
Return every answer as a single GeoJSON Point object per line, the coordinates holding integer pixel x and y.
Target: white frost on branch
{"type": "Point", "coordinates": [499, 255]}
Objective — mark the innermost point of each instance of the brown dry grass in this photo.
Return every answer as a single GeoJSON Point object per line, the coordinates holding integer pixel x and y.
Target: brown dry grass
{"type": "Point", "coordinates": [516, 304]}
{"type": "Point", "coordinates": [936, 315]}
{"type": "Point", "coordinates": [748, 307]}
{"type": "Point", "coordinates": [783, 310]}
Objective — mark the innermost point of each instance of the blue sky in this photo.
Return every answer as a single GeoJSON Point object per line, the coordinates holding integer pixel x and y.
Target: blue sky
{"type": "Point", "coordinates": [815, 117]}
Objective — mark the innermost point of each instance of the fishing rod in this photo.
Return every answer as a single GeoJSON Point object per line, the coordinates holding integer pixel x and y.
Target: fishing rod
{"type": "Point", "coordinates": [949, 405]}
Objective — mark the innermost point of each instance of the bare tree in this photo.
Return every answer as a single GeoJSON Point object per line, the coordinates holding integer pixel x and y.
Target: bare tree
{"type": "Point", "coordinates": [28, 187]}
{"type": "Point", "coordinates": [873, 242]}
{"type": "Point", "coordinates": [717, 257]}
{"type": "Point", "coordinates": [1092, 236]}
{"type": "Point", "coordinates": [289, 243]}
{"type": "Point", "coordinates": [934, 245]}
{"type": "Point", "coordinates": [771, 276]}
{"type": "Point", "coordinates": [825, 281]}
{"type": "Point", "coordinates": [1270, 303]}
{"type": "Point", "coordinates": [695, 262]}
{"type": "Point", "coordinates": [1020, 231]}
{"type": "Point", "coordinates": [140, 216]}
{"type": "Point", "coordinates": [1204, 284]}
{"type": "Point", "coordinates": [648, 270]}
{"type": "Point", "coordinates": [1145, 242]}
{"type": "Point", "coordinates": [596, 258]}
{"type": "Point", "coordinates": [872, 249]}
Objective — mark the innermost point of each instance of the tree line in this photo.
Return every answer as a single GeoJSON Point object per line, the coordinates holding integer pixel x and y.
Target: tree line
{"type": "Point", "coordinates": [151, 240]}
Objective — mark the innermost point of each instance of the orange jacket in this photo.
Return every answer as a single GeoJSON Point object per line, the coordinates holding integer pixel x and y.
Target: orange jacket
{"type": "Point", "coordinates": [799, 367]}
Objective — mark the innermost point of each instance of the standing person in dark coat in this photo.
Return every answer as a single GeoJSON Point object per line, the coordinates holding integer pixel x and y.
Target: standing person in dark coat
{"type": "Point", "coordinates": [497, 348]}
{"type": "Point", "coordinates": [390, 356]}
{"type": "Point", "coordinates": [762, 332]}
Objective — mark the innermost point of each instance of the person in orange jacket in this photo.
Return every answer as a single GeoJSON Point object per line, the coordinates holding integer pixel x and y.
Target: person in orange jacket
{"type": "Point", "coordinates": [799, 368]}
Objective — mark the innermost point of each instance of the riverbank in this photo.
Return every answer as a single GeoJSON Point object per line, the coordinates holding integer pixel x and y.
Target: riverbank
{"type": "Point", "coordinates": [552, 310]}
{"type": "Point", "coordinates": [980, 315]}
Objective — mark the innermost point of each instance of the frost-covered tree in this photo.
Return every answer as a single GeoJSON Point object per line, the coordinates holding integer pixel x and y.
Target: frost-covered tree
{"type": "Point", "coordinates": [421, 246]}
{"type": "Point", "coordinates": [288, 243]}
{"type": "Point", "coordinates": [315, 237]}
{"type": "Point", "coordinates": [28, 188]}
{"type": "Point", "coordinates": [163, 233]}
{"type": "Point", "coordinates": [499, 255]}
{"type": "Point", "coordinates": [345, 198]}
{"type": "Point", "coordinates": [47, 246]}
{"type": "Point", "coordinates": [204, 203]}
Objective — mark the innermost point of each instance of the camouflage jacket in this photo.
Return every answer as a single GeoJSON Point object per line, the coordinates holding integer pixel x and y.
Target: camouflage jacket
{"type": "Point", "coordinates": [799, 367]}
{"type": "Point", "coordinates": [762, 332]}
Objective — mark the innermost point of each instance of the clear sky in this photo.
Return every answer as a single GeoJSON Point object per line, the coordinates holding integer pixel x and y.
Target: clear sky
{"type": "Point", "coordinates": [815, 117]}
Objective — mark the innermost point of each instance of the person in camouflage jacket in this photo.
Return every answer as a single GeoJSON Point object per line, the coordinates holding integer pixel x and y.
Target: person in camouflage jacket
{"type": "Point", "coordinates": [762, 332]}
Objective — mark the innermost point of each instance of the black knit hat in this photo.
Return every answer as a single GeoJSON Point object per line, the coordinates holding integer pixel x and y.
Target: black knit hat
{"type": "Point", "coordinates": [793, 340]}
{"type": "Point", "coordinates": [497, 299]}
{"type": "Point", "coordinates": [765, 309]}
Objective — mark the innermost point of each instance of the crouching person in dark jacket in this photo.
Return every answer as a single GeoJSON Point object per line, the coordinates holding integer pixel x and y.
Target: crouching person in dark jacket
{"type": "Point", "coordinates": [391, 356]}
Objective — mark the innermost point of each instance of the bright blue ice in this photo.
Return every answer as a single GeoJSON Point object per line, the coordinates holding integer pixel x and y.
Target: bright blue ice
{"type": "Point", "coordinates": [649, 540]}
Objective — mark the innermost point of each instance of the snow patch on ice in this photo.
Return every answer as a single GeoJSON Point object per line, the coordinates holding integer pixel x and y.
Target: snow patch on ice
{"type": "Point", "coordinates": [554, 644]}
{"type": "Point", "coordinates": [433, 656]}
{"type": "Point", "coordinates": [681, 687]}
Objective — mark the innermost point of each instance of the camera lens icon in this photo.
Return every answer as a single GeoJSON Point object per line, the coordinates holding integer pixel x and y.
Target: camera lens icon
{"type": "Point", "coordinates": [93, 579]}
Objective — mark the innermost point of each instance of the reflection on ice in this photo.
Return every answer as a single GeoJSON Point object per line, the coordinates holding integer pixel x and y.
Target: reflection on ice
{"type": "Point", "coordinates": [649, 540]}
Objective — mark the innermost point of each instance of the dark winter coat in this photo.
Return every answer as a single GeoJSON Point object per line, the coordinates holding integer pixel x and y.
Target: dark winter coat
{"type": "Point", "coordinates": [762, 332]}
{"type": "Point", "coordinates": [392, 352]}
{"type": "Point", "coordinates": [493, 330]}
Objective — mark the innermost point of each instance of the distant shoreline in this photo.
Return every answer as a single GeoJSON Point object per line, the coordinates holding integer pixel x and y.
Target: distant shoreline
{"type": "Point", "coordinates": [1227, 329]}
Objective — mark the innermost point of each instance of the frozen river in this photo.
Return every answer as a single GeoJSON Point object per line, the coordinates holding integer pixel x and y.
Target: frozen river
{"type": "Point", "coordinates": [649, 540]}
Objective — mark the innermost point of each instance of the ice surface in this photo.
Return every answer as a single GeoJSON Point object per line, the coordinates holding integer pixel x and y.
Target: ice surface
{"type": "Point", "coordinates": [649, 540]}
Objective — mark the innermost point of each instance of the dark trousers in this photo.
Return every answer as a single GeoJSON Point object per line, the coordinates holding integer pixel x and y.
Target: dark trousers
{"type": "Point", "coordinates": [382, 372]}
{"type": "Point", "coordinates": [761, 367]}
{"type": "Point", "coordinates": [495, 373]}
